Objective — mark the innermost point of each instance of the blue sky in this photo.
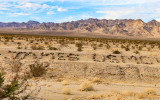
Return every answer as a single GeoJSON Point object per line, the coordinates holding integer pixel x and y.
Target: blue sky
{"type": "Point", "coordinates": [69, 10]}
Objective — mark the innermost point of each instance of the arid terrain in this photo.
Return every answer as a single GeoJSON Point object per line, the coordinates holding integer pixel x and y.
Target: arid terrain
{"type": "Point", "coordinates": [72, 68]}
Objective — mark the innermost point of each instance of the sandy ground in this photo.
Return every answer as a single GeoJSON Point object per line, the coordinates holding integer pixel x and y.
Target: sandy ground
{"type": "Point", "coordinates": [51, 90]}
{"type": "Point", "coordinates": [125, 71]}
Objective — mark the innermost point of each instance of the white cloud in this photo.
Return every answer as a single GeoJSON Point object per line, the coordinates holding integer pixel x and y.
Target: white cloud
{"type": "Point", "coordinates": [50, 13]}
{"type": "Point", "coordinates": [116, 13]}
{"type": "Point", "coordinates": [17, 14]}
{"type": "Point", "coordinates": [146, 12]}
{"type": "Point", "coordinates": [158, 19]}
{"type": "Point", "coordinates": [66, 19]}
{"type": "Point", "coordinates": [61, 9]}
{"type": "Point", "coordinates": [111, 2]}
{"type": "Point", "coordinates": [36, 18]}
{"type": "Point", "coordinates": [33, 6]}
{"type": "Point", "coordinates": [144, 9]}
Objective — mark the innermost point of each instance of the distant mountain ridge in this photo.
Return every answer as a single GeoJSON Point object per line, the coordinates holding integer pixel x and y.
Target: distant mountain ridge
{"type": "Point", "coordinates": [16, 24]}
{"type": "Point", "coordinates": [118, 27]}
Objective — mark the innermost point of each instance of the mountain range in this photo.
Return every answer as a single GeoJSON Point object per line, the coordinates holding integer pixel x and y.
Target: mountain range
{"type": "Point", "coordinates": [118, 27]}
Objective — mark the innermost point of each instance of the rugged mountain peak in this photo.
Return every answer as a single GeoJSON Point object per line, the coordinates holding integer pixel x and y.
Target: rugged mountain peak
{"type": "Point", "coordinates": [154, 23]}
{"type": "Point", "coordinates": [31, 22]}
{"type": "Point", "coordinates": [139, 21]}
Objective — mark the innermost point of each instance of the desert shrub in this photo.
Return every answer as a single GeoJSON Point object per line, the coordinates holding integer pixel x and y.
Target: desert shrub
{"type": "Point", "coordinates": [117, 45]}
{"type": "Point", "coordinates": [122, 46]}
{"type": "Point", "coordinates": [148, 93]}
{"type": "Point", "coordinates": [136, 52]}
{"type": "Point", "coordinates": [66, 91]}
{"type": "Point", "coordinates": [52, 48]}
{"type": "Point", "coordinates": [108, 46]}
{"type": "Point", "coordinates": [133, 47]}
{"type": "Point", "coordinates": [79, 45]}
{"type": "Point", "coordinates": [63, 43]}
{"type": "Point", "coordinates": [127, 49]}
{"type": "Point", "coordinates": [140, 48]}
{"type": "Point", "coordinates": [25, 47]}
{"type": "Point", "coordinates": [8, 90]}
{"type": "Point", "coordinates": [159, 46]}
{"type": "Point", "coordinates": [152, 46]}
{"type": "Point", "coordinates": [116, 52]}
{"type": "Point", "coordinates": [64, 82]}
{"type": "Point", "coordinates": [5, 43]}
{"type": "Point", "coordinates": [19, 47]}
{"type": "Point", "coordinates": [94, 46]}
{"type": "Point", "coordinates": [15, 65]}
{"type": "Point", "coordinates": [149, 48]}
{"type": "Point", "coordinates": [79, 49]}
{"type": "Point", "coordinates": [18, 43]}
{"type": "Point", "coordinates": [38, 69]}
{"type": "Point", "coordinates": [46, 43]}
{"type": "Point", "coordinates": [128, 93]}
{"type": "Point", "coordinates": [16, 87]}
{"type": "Point", "coordinates": [37, 47]}
{"type": "Point", "coordinates": [101, 45]}
{"type": "Point", "coordinates": [96, 80]}
{"type": "Point", "coordinates": [31, 41]}
{"type": "Point", "coordinates": [86, 86]}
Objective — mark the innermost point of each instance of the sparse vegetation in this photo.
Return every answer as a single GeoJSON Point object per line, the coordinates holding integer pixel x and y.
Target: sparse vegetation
{"type": "Point", "coordinates": [79, 46]}
{"type": "Point", "coordinates": [86, 86]}
{"type": "Point", "coordinates": [64, 82]}
{"type": "Point", "coordinates": [98, 51]}
{"type": "Point", "coordinates": [37, 47]}
{"type": "Point", "coordinates": [116, 52]}
{"type": "Point", "coordinates": [66, 91]}
{"type": "Point", "coordinates": [52, 48]}
{"type": "Point", "coordinates": [37, 69]}
{"type": "Point", "coordinates": [14, 88]}
{"type": "Point", "coordinates": [96, 80]}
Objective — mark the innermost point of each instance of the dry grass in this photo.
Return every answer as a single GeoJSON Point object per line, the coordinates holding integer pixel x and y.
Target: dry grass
{"type": "Point", "coordinates": [96, 96]}
{"type": "Point", "coordinates": [66, 91]}
{"type": "Point", "coordinates": [64, 82]}
{"type": "Point", "coordinates": [148, 93]}
{"type": "Point", "coordinates": [86, 86]}
{"type": "Point", "coordinates": [96, 80]}
{"type": "Point", "coordinates": [128, 93]}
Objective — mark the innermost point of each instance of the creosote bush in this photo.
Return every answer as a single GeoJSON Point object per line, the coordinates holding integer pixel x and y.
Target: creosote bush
{"type": "Point", "coordinates": [38, 69]}
{"type": "Point", "coordinates": [79, 46]}
{"type": "Point", "coordinates": [37, 47]}
{"type": "Point", "coordinates": [52, 48]}
{"type": "Point", "coordinates": [136, 52]}
{"type": "Point", "coordinates": [116, 52]}
{"type": "Point", "coordinates": [79, 49]}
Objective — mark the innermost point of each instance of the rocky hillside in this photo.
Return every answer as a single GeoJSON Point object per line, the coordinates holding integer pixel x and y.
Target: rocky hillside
{"type": "Point", "coordinates": [118, 27]}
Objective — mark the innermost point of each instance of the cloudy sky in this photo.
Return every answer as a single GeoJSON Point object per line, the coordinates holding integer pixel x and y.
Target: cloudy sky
{"type": "Point", "coordinates": [68, 10]}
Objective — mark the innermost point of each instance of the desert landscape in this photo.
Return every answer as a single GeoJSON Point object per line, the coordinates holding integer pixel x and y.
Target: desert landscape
{"type": "Point", "coordinates": [79, 68]}
{"type": "Point", "coordinates": [79, 49]}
